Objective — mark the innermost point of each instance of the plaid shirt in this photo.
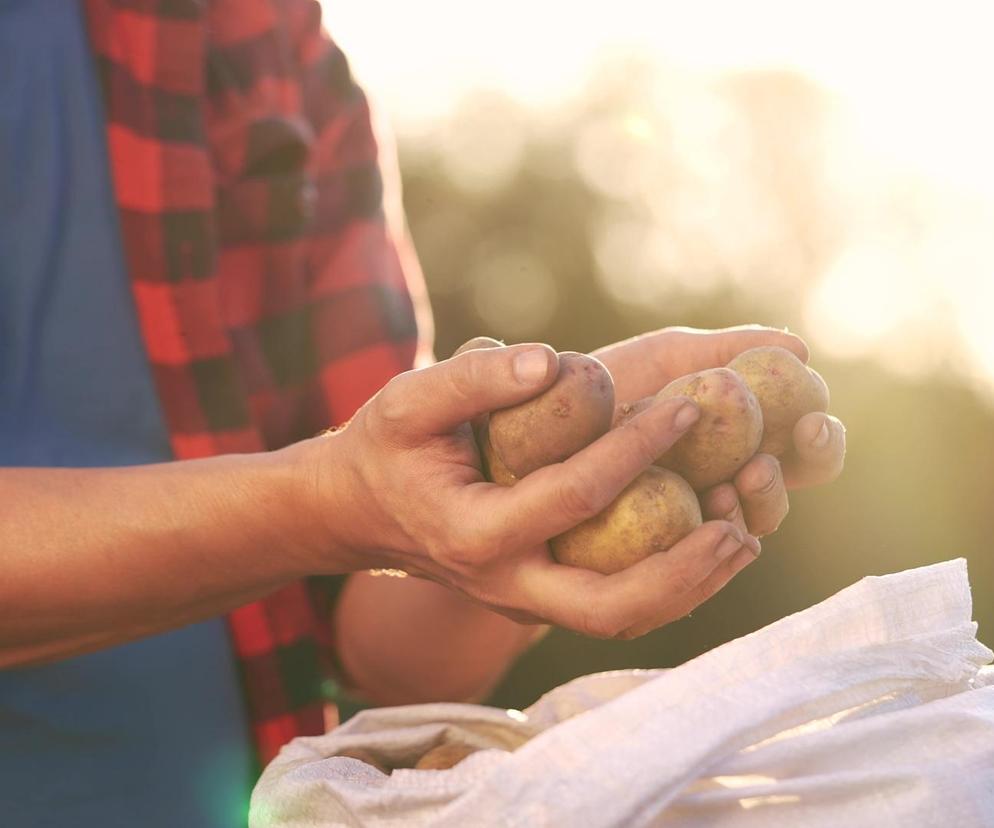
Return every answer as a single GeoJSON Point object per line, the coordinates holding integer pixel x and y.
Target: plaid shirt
{"type": "Point", "coordinates": [271, 297]}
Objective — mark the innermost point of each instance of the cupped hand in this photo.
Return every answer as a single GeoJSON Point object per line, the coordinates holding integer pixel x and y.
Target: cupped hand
{"type": "Point", "coordinates": [400, 487]}
{"type": "Point", "coordinates": [756, 499]}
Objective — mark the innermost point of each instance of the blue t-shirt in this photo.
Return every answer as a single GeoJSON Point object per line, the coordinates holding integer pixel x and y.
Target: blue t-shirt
{"type": "Point", "coordinates": [152, 733]}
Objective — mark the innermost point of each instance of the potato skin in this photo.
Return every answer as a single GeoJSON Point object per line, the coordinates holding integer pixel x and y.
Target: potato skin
{"type": "Point", "coordinates": [623, 412]}
{"type": "Point", "coordinates": [786, 390]}
{"type": "Point", "coordinates": [727, 434]}
{"type": "Point", "coordinates": [651, 514]}
{"type": "Point", "coordinates": [444, 756]}
{"type": "Point", "coordinates": [569, 415]}
{"type": "Point", "coordinates": [493, 468]}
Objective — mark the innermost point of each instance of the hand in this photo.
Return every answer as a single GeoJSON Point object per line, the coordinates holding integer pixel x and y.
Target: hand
{"type": "Point", "coordinates": [400, 487]}
{"type": "Point", "coordinates": [757, 499]}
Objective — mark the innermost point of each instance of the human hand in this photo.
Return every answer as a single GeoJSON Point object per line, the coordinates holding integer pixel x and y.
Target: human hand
{"type": "Point", "coordinates": [400, 487]}
{"type": "Point", "coordinates": [757, 498]}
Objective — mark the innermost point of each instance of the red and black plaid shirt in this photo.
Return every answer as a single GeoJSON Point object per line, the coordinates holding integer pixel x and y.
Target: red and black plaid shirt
{"type": "Point", "coordinates": [271, 298]}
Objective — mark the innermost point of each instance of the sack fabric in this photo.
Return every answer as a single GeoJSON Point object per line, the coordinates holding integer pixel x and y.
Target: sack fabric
{"type": "Point", "coordinates": [872, 708]}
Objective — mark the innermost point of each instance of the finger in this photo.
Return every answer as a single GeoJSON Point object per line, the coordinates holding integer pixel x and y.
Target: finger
{"type": "Point", "coordinates": [644, 364]}
{"type": "Point", "coordinates": [437, 399]}
{"type": "Point", "coordinates": [762, 494]}
{"type": "Point", "coordinates": [728, 343]}
{"type": "Point", "coordinates": [475, 344]}
{"type": "Point", "coordinates": [555, 498]}
{"type": "Point", "coordinates": [604, 606]}
{"type": "Point", "coordinates": [819, 451]}
{"type": "Point", "coordinates": [721, 502]}
{"type": "Point", "coordinates": [683, 606]}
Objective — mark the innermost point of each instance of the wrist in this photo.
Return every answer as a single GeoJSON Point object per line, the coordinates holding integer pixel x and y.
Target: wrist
{"type": "Point", "coordinates": [322, 516]}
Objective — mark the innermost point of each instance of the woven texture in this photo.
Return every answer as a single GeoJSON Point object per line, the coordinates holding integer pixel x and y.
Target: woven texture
{"type": "Point", "coordinates": [869, 709]}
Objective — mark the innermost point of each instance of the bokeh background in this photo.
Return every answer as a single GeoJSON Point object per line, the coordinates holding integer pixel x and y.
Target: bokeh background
{"type": "Point", "coordinates": [579, 173]}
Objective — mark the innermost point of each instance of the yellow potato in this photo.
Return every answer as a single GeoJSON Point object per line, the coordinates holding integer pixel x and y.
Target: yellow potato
{"type": "Point", "coordinates": [444, 756]}
{"type": "Point", "coordinates": [573, 412]}
{"type": "Point", "coordinates": [786, 390]}
{"type": "Point", "coordinates": [726, 435]}
{"type": "Point", "coordinates": [493, 468]}
{"type": "Point", "coordinates": [651, 514]}
{"type": "Point", "coordinates": [626, 411]}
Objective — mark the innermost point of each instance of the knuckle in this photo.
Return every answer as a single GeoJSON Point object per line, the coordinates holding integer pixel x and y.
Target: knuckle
{"type": "Point", "coordinates": [578, 498]}
{"type": "Point", "coordinates": [460, 550]}
{"type": "Point", "coordinates": [761, 479]}
{"type": "Point", "coordinates": [392, 403]}
{"type": "Point", "coordinates": [467, 376]}
{"type": "Point", "coordinates": [476, 545]}
{"type": "Point", "coordinates": [597, 622]}
{"type": "Point", "coordinates": [645, 445]}
{"type": "Point", "coordinates": [714, 532]}
{"type": "Point", "coordinates": [684, 581]}
{"type": "Point", "coordinates": [486, 546]}
{"type": "Point", "coordinates": [720, 500]}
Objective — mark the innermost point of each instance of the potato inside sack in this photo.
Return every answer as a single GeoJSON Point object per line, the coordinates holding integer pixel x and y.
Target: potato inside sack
{"type": "Point", "coordinates": [651, 514]}
{"type": "Point", "coordinates": [727, 434]}
{"type": "Point", "coordinates": [445, 756]}
{"type": "Point", "coordinates": [786, 390]}
{"type": "Point", "coordinates": [569, 415]}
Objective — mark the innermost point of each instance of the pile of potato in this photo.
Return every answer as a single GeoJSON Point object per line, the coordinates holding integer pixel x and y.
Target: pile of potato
{"type": "Point", "coordinates": [749, 406]}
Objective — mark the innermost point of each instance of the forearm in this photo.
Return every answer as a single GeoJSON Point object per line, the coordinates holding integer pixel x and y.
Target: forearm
{"type": "Point", "coordinates": [95, 557]}
{"type": "Point", "coordinates": [405, 641]}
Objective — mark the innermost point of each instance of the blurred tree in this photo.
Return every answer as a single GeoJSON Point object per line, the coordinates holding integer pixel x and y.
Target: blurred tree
{"type": "Point", "coordinates": [643, 205]}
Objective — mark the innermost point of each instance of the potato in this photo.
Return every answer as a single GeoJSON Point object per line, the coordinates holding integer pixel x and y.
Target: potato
{"type": "Point", "coordinates": [727, 434]}
{"type": "Point", "coordinates": [651, 514]}
{"type": "Point", "coordinates": [569, 415]}
{"type": "Point", "coordinates": [477, 343]}
{"type": "Point", "coordinates": [444, 756]}
{"type": "Point", "coordinates": [493, 468]}
{"type": "Point", "coordinates": [364, 755]}
{"type": "Point", "coordinates": [786, 390]}
{"type": "Point", "coordinates": [624, 412]}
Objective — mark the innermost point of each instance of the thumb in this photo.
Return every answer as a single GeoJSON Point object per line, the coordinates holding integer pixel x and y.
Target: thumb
{"type": "Point", "coordinates": [440, 398]}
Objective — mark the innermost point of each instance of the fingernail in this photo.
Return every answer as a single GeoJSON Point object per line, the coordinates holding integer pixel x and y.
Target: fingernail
{"type": "Point", "coordinates": [686, 416]}
{"type": "Point", "coordinates": [769, 483]}
{"type": "Point", "coordinates": [753, 545]}
{"type": "Point", "coordinates": [728, 547]}
{"type": "Point", "coordinates": [821, 438]}
{"type": "Point", "coordinates": [531, 367]}
{"type": "Point", "coordinates": [734, 513]}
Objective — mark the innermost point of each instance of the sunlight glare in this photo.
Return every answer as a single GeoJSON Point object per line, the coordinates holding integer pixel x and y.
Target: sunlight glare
{"type": "Point", "coordinates": [904, 161]}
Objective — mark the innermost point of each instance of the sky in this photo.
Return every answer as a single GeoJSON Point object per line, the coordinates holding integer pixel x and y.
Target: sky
{"type": "Point", "coordinates": [912, 81]}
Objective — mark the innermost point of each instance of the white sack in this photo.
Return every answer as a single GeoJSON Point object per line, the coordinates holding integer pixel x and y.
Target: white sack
{"type": "Point", "coordinates": [868, 709]}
